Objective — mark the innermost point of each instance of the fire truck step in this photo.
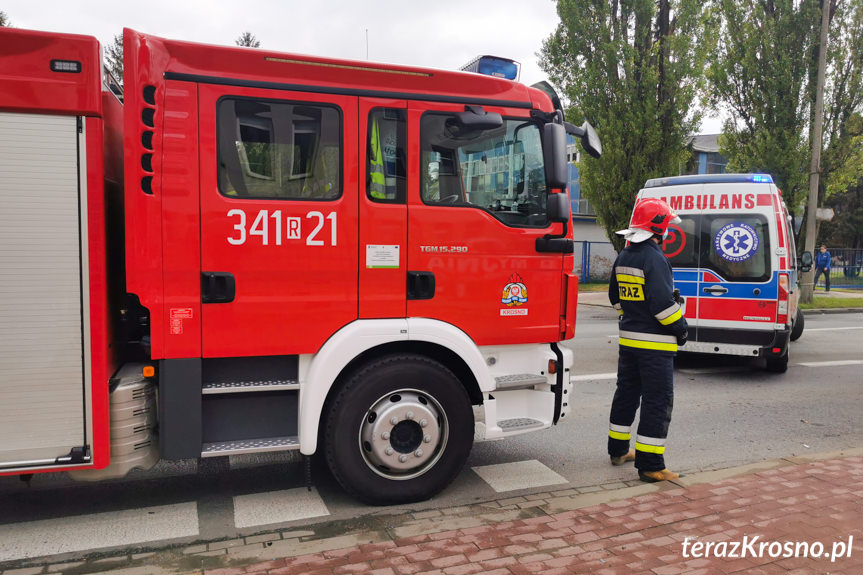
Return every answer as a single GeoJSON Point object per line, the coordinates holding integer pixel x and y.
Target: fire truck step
{"type": "Point", "coordinates": [221, 448]}
{"type": "Point", "coordinates": [215, 387]}
{"type": "Point", "coordinates": [518, 424]}
{"type": "Point", "coordinates": [519, 380]}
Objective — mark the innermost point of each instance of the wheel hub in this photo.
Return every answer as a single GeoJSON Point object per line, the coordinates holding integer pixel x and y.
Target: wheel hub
{"type": "Point", "coordinates": [403, 434]}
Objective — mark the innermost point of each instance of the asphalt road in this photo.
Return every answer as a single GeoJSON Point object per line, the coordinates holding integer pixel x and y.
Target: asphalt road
{"type": "Point", "coordinates": [727, 412]}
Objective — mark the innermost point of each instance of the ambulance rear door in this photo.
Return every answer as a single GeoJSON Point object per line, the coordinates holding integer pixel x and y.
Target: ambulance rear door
{"type": "Point", "coordinates": [682, 247]}
{"type": "Point", "coordinates": [738, 277]}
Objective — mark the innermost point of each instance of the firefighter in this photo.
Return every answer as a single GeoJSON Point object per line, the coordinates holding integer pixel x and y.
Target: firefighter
{"type": "Point", "coordinates": [652, 326]}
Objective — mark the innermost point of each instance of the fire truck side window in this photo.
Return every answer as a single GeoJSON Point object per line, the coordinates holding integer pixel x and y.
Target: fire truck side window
{"type": "Point", "coordinates": [385, 166]}
{"type": "Point", "coordinates": [498, 170]}
{"type": "Point", "coordinates": [279, 150]}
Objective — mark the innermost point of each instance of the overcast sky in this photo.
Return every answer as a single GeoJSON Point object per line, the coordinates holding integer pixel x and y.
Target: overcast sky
{"type": "Point", "coordinates": [437, 34]}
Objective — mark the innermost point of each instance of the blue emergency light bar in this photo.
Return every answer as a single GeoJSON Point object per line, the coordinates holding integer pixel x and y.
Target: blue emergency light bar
{"type": "Point", "coordinates": [494, 66]}
{"type": "Point", "coordinates": [710, 179]}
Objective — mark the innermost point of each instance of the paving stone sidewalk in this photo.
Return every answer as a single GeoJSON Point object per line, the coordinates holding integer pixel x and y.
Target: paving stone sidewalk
{"type": "Point", "coordinates": [632, 528]}
{"type": "Point", "coordinates": [814, 503]}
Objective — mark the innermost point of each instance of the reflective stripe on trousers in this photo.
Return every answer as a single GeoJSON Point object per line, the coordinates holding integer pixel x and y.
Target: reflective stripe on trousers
{"type": "Point", "coordinates": [650, 341]}
{"type": "Point", "coordinates": [647, 379]}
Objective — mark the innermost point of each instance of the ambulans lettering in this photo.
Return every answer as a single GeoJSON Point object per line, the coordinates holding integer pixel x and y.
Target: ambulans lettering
{"type": "Point", "coordinates": [269, 228]}
{"type": "Point", "coordinates": [631, 292]}
{"type": "Point", "coordinates": [711, 202]}
{"type": "Point", "coordinates": [736, 242]}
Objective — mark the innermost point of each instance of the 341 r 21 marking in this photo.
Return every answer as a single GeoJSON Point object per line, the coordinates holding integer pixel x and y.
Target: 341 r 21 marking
{"type": "Point", "coordinates": [270, 225]}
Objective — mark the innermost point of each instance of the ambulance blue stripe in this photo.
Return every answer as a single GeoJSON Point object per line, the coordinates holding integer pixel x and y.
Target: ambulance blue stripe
{"type": "Point", "coordinates": [687, 289]}
{"type": "Point", "coordinates": [690, 288]}
{"type": "Point", "coordinates": [685, 275]}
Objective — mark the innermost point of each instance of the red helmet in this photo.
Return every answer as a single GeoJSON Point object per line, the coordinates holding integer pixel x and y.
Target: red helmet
{"type": "Point", "coordinates": [653, 215]}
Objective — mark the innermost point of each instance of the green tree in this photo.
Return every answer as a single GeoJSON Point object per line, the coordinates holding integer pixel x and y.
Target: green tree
{"type": "Point", "coordinates": [114, 58]}
{"type": "Point", "coordinates": [634, 69]}
{"type": "Point", "coordinates": [761, 75]}
{"type": "Point", "coordinates": [764, 74]}
{"type": "Point", "coordinates": [844, 191]}
{"type": "Point", "coordinates": [842, 161]}
{"type": "Point", "coordinates": [247, 39]}
{"type": "Point", "coordinates": [4, 20]}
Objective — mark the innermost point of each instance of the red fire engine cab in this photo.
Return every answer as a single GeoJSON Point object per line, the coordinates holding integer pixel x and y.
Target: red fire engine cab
{"type": "Point", "coordinates": [259, 252]}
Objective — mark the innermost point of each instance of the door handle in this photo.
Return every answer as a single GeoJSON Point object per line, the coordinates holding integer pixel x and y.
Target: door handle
{"type": "Point", "coordinates": [715, 289]}
{"type": "Point", "coordinates": [218, 287]}
{"type": "Point", "coordinates": [421, 285]}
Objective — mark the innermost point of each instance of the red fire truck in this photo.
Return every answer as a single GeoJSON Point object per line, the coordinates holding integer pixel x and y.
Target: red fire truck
{"type": "Point", "coordinates": [249, 251]}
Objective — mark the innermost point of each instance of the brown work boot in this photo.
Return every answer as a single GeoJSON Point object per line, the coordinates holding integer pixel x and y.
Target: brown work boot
{"type": "Point", "coordinates": [625, 458]}
{"type": "Point", "coordinates": [654, 476]}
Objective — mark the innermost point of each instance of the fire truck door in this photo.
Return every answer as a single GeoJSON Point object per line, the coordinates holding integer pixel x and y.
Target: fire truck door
{"type": "Point", "coordinates": [475, 209]}
{"type": "Point", "coordinates": [383, 208]}
{"type": "Point", "coordinates": [278, 219]}
{"type": "Point", "coordinates": [45, 378]}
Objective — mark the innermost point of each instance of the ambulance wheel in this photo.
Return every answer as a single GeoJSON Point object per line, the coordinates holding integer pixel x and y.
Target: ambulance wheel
{"type": "Point", "coordinates": [399, 430]}
{"type": "Point", "coordinates": [797, 328]}
{"type": "Point", "coordinates": [778, 364]}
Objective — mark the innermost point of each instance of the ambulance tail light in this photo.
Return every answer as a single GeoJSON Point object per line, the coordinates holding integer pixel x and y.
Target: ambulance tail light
{"type": "Point", "coordinates": [782, 310]}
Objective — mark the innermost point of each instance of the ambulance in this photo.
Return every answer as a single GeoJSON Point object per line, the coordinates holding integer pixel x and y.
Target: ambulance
{"type": "Point", "coordinates": [735, 263]}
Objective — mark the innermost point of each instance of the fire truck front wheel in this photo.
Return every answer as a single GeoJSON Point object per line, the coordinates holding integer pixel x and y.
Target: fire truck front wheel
{"type": "Point", "coordinates": [399, 430]}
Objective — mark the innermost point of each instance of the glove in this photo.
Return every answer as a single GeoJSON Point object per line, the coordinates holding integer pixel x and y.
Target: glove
{"type": "Point", "coordinates": [677, 297]}
{"type": "Point", "coordinates": [681, 338]}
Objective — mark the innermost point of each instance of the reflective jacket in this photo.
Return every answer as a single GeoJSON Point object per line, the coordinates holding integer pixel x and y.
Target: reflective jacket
{"type": "Point", "coordinates": [641, 289]}
{"type": "Point", "coordinates": [377, 175]}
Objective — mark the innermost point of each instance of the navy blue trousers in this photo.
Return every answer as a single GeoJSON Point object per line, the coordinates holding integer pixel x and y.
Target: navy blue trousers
{"type": "Point", "coordinates": [645, 378]}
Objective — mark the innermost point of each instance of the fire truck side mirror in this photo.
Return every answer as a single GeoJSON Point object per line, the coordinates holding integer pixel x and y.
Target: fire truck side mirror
{"type": "Point", "coordinates": [590, 141]}
{"type": "Point", "coordinates": [558, 207]}
{"type": "Point", "coordinates": [554, 154]}
{"type": "Point", "coordinates": [589, 138]}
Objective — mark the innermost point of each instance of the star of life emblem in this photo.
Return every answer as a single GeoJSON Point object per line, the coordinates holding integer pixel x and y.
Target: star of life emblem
{"type": "Point", "coordinates": [736, 242]}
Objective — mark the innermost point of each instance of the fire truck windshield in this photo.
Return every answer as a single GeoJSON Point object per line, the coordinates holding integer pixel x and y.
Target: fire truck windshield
{"type": "Point", "coordinates": [499, 170]}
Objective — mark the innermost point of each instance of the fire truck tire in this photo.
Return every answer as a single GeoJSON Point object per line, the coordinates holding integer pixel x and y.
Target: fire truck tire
{"type": "Point", "coordinates": [778, 364]}
{"type": "Point", "coordinates": [797, 328]}
{"type": "Point", "coordinates": [399, 430]}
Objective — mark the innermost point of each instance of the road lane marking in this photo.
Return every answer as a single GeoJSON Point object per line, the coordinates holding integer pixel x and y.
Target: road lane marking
{"type": "Point", "coordinates": [807, 330]}
{"type": "Point", "coordinates": [518, 475]}
{"type": "Point", "coordinates": [593, 376]}
{"type": "Point", "coordinates": [832, 363]}
{"type": "Point", "coordinates": [277, 507]}
{"type": "Point", "coordinates": [90, 532]}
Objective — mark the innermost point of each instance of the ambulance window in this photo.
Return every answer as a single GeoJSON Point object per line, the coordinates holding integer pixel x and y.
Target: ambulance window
{"type": "Point", "coordinates": [681, 245]}
{"type": "Point", "coordinates": [385, 165]}
{"type": "Point", "coordinates": [498, 170]}
{"type": "Point", "coordinates": [737, 247]}
{"type": "Point", "coordinates": [278, 150]}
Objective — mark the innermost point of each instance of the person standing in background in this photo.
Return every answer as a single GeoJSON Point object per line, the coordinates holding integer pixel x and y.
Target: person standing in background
{"type": "Point", "coordinates": [822, 266]}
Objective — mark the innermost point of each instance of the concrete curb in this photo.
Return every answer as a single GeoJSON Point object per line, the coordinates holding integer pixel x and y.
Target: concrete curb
{"type": "Point", "coordinates": [819, 311]}
{"type": "Point", "coordinates": [375, 529]}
